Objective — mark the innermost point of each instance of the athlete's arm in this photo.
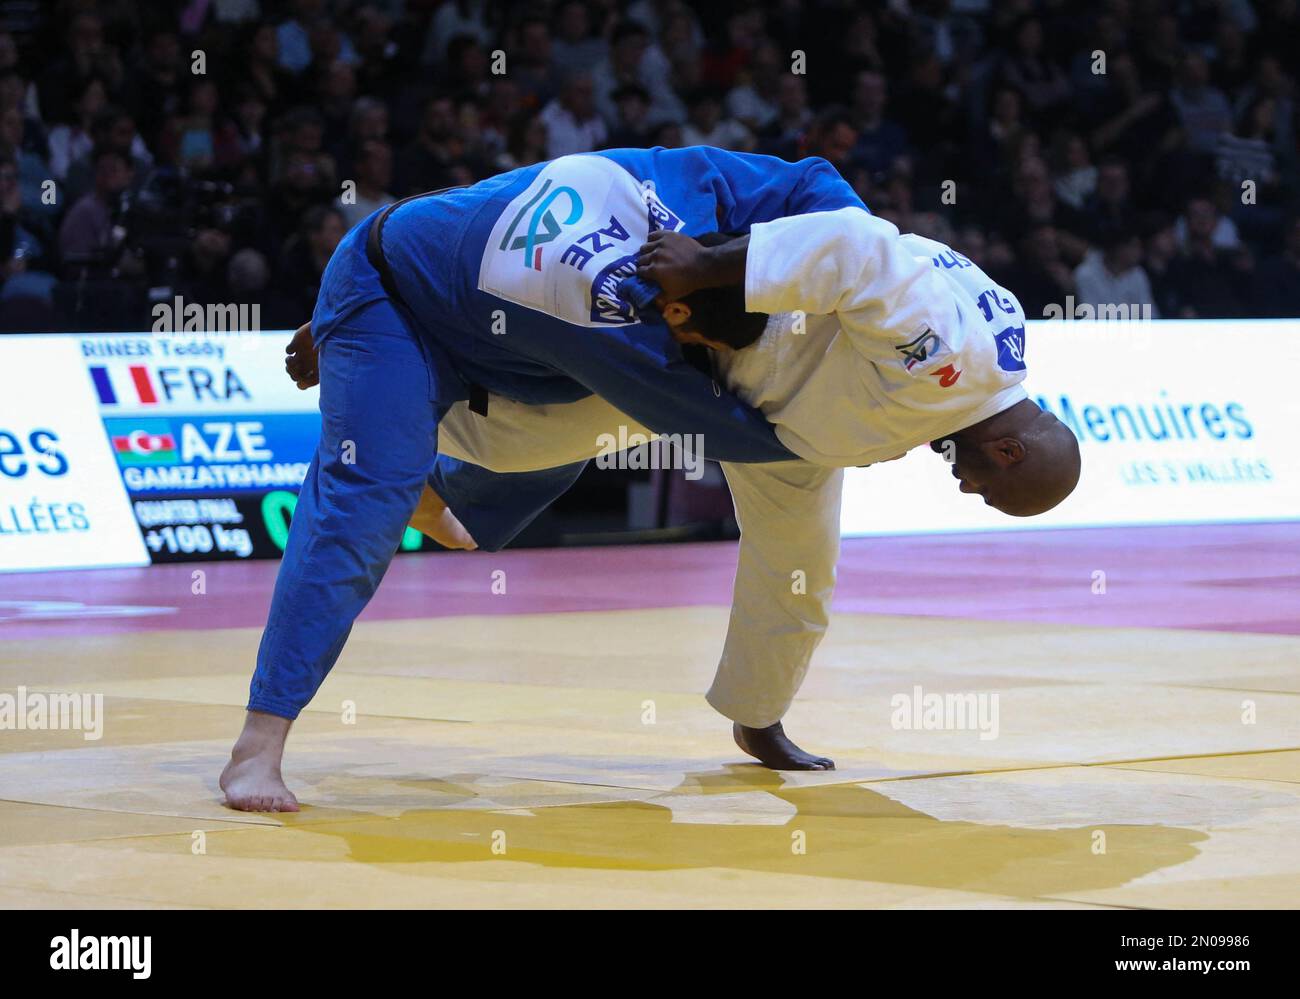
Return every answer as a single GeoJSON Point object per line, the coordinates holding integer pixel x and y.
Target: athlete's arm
{"type": "Point", "coordinates": [679, 265]}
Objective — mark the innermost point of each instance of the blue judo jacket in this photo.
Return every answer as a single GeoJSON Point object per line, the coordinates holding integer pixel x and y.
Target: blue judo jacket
{"type": "Point", "coordinates": [471, 266]}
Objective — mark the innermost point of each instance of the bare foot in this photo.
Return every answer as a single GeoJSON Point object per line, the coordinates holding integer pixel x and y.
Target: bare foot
{"type": "Point", "coordinates": [251, 780]}
{"type": "Point", "coordinates": [433, 519]}
{"type": "Point", "coordinates": [773, 748]}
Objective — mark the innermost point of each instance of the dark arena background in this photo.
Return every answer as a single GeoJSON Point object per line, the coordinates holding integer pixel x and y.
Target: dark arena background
{"type": "Point", "coordinates": [1098, 707]}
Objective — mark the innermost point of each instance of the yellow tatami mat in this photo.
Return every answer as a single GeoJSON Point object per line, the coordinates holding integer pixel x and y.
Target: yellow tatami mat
{"type": "Point", "coordinates": [567, 760]}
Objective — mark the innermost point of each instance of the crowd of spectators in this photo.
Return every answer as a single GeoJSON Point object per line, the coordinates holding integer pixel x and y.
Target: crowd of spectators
{"type": "Point", "coordinates": [1101, 152]}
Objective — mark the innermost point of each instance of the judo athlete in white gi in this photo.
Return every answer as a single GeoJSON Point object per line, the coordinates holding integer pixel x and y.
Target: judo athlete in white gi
{"type": "Point", "coordinates": [876, 343]}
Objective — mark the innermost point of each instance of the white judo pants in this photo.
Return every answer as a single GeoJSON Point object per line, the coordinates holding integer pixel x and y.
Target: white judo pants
{"type": "Point", "coordinates": [789, 516]}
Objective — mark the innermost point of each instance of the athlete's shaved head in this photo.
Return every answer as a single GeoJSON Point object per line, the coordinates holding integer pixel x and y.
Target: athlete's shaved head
{"type": "Point", "coordinates": [1023, 461]}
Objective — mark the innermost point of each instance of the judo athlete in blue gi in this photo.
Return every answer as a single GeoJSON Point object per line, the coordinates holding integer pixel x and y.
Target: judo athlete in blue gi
{"type": "Point", "coordinates": [451, 297]}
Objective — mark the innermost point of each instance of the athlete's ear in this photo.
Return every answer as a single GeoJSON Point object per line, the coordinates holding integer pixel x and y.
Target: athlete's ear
{"type": "Point", "coordinates": [1004, 451]}
{"type": "Point", "coordinates": [676, 314]}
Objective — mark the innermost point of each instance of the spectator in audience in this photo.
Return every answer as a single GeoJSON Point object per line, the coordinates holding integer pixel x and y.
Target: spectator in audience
{"type": "Point", "coordinates": [200, 141]}
{"type": "Point", "coordinates": [572, 124]}
{"type": "Point", "coordinates": [1203, 111]}
{"type": "Point", "coordinates": [1107, 38]}
{"type": "Point", "coordinates": [86, 54]}
{"type": "Point", "coordinates": [753, 101]}
{"type": "Point", "coordinates": [298, 39]}
{"type": "Point", "coordinates": [26, 290]}
{"type": "Point", "coordinates": [336, 93]}
{"type": "Point", "coordinates": [1039, 275]}
{"type": "Point", "coordinates": [1074, 178]}
{"type": "Point", "coordinates": [1248, 154]}
{"type": "Point", "coordinates": [730, 52]}
{"type": "Point", "coordinates": [113, 127]}
{"type": "Point", "coordinates": [369, 120]}
{"type": "Point", "coordinates": [249, 124]}
{"type": "Point", "coordinates": [1132, 121]}
{"type": "Point", "coordinates": [1203, 224]}
{"type": "Point", "coordinates": [881, 142]}
{"type": "Point", "coordinates": [1112, 275]}
{"type": "Point", "coordinates": [204, 279]}
{"type": "Point", "coordinates": [1162, 49]}
{"type": "Point", "coordinates": [426, 164]}
{"type": "Point", "coordinates": [832, 137]}
{"type": "Point", "coordinates": [13, 92]}
{"type": "Point", "coordinates": [495, 114]}
{"type": "Point", "coordinates": [87, 231]}
{"type": "Point", "coordinates": [40, 195]}
{"type": "Point", "coordinates": [630, 60]}
{"type": "Point", "coordinates": [668, 135]}
{"type": "Point", "coordinates": [74, 138]}
{"type": "Point", "coordinates": [1028, 70]}
{"type": "Point", "coordinates": [260, 66]}
{"type": "Point", "coordinates": [157, 85]}
{"type": "Point", "coordinates": [532, 68]}
{"type": "Point", "coordinates": [525, 142]}
{"type": "Point", "coordinates": [303, 176]}
{"type": "Point", "coordinates": [1206, 277]}
{"type": "Point", "coordinates": [21, 251]}
{"type": "Point", "coordinates": [1276, 284]}
{"type": "Point", "coordinates": [1270, 80]}
{"type": "Point", "coordinates": [1232, 67]}
{"type": "Point", "coordinates": [1159, 250]}
{"type": "Point", "coordinates": [306, 253]}
{"type": "Point", "coordinates": [784, 134]}
{"type": "Point", "coordinates": [928, 104]}
{"type": "Point", "coordinates": [1035, 204]}
{"type": "Point", "coordinates": [23, 94]}
{"type": "Point", "coordinates": [374, 172]}
{"type": "Point", "coordinates": [576, 45]}
{"type": "Point", "coordinates": [1111, 204]}
{"type": "Point", "coordinates": [248, 280]}
{"type": "Point", "coordinates": [706, 126]}
{"type": "Point", "coordinates": [457, 19]}
{"type": "Point", "coordinates": [632, 124]}
{"type": "Point", "coordinates": [466, 72]}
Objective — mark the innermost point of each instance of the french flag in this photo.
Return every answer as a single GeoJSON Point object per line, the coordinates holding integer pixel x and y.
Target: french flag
{"type": "Point", "coordinates": [144, 390]}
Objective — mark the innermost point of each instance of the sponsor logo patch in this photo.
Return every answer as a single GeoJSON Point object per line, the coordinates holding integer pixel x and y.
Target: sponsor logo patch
{"type": "Point", "coordinates": [925, 346]}
{"type": "Point", "coordinates": [542, 226]}
{"type": "Point", "coordinates": [1011, 348]}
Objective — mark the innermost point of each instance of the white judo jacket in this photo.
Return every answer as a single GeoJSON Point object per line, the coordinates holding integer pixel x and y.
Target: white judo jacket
{"type": "Point", "coordinates": [877, 343]}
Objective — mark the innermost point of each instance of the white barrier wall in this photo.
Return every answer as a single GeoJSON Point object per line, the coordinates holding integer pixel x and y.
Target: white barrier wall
{"type": "Point", "coordinates": [62, 505]}
{"type": "Point", "coordinates": [1179, 422]}
{"type": "Point", "coordinates": [118, 449]}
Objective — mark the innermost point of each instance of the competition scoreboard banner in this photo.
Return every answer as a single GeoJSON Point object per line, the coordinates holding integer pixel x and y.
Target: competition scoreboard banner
{"type": "Point", "coordinates": [196, 444]}
{"type": "Point", "coordinates": [211, 438]}
{"type": "Point", "coordinates": [1178, 422]}
{"type": "Point", "coordinates": [62, 505]}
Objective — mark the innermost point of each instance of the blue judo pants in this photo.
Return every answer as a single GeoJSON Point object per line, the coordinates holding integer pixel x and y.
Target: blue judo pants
{"type": "Point", "coordinates": [361, 489]}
